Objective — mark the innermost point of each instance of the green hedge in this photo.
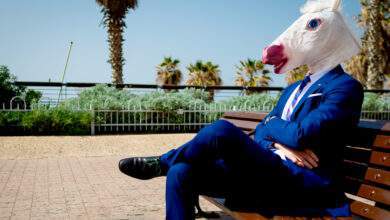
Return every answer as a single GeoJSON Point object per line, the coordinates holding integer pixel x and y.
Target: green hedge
{"type": "Point", "coordinates": [375, 102]}
{"type": "Point", "coordinates": [104, 97]}
{"type": "Point", "coordinates": [47, 121]}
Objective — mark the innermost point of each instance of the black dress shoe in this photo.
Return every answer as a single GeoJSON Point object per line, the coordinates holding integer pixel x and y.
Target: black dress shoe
{"type": "Point", "coordinates": [143, 168]}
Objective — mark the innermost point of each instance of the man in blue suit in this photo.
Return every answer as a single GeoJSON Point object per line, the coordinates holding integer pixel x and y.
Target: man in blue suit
{"type": "Point", "coordinates": [292, 162]}
{"type": "Point", "coordinates": [295, 157]}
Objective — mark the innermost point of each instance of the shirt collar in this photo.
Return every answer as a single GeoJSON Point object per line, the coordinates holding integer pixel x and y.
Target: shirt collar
{"type": "Point", "coordinates": [318, 75]}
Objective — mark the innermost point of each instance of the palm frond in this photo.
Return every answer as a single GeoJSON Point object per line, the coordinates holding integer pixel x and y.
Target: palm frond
{"type": "Point", "coordinates": [251, 73]}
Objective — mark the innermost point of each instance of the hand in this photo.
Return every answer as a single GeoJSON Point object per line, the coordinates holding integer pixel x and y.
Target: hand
{"type": "Point", "coordinates": [305, 158]}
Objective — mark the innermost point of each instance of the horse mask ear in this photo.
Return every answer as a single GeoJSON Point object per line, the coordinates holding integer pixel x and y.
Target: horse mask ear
{"type": "Point", "coordinates": [336, 5]}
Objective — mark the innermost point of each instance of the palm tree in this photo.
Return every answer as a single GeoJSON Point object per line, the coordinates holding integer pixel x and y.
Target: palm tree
{"type": "Point", "coordinates": [168, 72]}
{"type": "Point", "coordinates": [296, 74]}
{"type": "Point", "coordinates": [114, 13]}
{"type": "Point", "coordinates": [376, 39]}
{"type": "Point", "coordinates": [252, 73]}
{"type": "Point", "coordinates": [375, 69]}
{"type": "Point", "coordinates": [357, 65]}
{"type": "Point", "coordinates": [204, 74]}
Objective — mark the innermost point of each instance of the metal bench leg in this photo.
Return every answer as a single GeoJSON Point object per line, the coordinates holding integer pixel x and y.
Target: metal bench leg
{"type": "Point", "coordinates": [202, 214]}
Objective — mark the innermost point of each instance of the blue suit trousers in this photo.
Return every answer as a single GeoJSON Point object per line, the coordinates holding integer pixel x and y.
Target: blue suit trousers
{"type": "Point", "coordinates": [223, 161]}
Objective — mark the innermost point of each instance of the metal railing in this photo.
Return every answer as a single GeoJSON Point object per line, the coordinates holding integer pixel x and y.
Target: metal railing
{"type": "Point", "coordinates": [134, 119]}
{"type": "Point", "coordinates": [375, 115]}
{"type": "Point", "coordinates": [191, 120]}
{"type": "Point", "coordinates": [140, 120]}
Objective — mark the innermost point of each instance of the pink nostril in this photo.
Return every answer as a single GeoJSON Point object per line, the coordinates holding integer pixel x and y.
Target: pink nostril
{"type": "Point", "coordinates": [273, 54]}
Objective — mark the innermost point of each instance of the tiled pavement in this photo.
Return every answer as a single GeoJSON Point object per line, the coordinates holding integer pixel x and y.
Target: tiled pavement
{"type": "Point", "coordinates": [77, 188]}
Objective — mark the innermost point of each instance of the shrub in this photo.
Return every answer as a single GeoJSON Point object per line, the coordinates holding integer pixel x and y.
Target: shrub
{"type": "Point", "coordinates": [375, 102]}
{"type": "Point", "coordinates": [99, 97]}
{"type": "Point", "coordinates": [57, 121]}
{"type": "Point", "coordinates": [254, 101]}
{"type": "Point", "coordinates": [11, 118]}
{"type": "Point", "coordinates": [168, 102]}
{"type": "Point", "coordinates": [104, 97]}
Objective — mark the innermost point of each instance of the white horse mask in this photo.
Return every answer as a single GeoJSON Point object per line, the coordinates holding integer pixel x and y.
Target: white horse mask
{"type": "Point", "coordinates": [320, 38]}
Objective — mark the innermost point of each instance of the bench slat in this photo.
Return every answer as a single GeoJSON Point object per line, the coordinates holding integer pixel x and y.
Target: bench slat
{"type": "Point", "coordinates": [364, 190]}
{"type": "Point", "coordinates": [357, 154]}
{"type": "Point", "coordinates": [250, 116]}
{"type": "Point", "coordinates": [363, 155]}
{"type": "Point", "coordinates": [382, 141]}
{"type": "Point", "coordinates": [380, 158]}
{"type": "Point", "coordinates": [374, 193]}
{"type": "Point", "coordinates": [245, 125]}
{"type": "Point", "coordinates": [368, 211]}
{"type": "Point", "coordinates": [237, 215]}
{"type": "Point", "coordinates": [363, 172]}
{"type": "Point", "coordinates": [247, 216]}
{"type": "Point", "coordinates": [378, 176]}
{"type": "Point", "coordinates": [257, 216]}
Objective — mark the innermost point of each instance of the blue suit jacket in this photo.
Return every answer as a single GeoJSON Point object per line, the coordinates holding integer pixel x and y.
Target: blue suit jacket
{"type": "Point", "coordinates": [321, 123]}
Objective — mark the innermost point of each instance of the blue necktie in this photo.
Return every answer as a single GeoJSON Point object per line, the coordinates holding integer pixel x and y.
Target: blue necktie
{"type": "Point", "coordinates": [303, 84]}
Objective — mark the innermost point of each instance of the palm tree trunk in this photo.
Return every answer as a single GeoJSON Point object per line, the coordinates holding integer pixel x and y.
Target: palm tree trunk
{"type": "Point", "coordinates": [115, 39]}
{"type": "Point", "coordinates": [375, 68]}
{"type": "Point", "coordinates": [211, 95]}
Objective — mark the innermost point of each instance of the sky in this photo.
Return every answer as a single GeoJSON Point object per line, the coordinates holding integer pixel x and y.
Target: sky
{"type": "Point", "coordinates": [35, 36]}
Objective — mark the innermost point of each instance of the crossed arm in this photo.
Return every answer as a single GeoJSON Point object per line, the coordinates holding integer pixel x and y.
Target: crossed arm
{"type": "Point", "coordinates": [304, 158]}
{"type": "Point", "coordinates": [339, 106]}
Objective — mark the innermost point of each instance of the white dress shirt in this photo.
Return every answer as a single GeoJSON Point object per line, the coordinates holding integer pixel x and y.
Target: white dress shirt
{"type": "Point", "coordinates": [313, 79]}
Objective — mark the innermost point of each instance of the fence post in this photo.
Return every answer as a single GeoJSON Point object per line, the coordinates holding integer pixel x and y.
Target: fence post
{"type": "Point", "coordinates": [93, 120]}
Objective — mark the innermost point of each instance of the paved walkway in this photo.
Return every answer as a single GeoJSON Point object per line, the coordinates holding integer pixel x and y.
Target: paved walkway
{"type": "Point", "coordinates": [77, 188]}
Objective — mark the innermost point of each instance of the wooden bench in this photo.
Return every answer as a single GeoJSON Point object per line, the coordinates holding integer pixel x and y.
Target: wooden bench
{"type": "Point", "coordinates": [366, 169]}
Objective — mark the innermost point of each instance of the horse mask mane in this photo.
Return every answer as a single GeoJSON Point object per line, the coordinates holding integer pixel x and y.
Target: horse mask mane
{"type": "Point", "coordinates": [320, 38]}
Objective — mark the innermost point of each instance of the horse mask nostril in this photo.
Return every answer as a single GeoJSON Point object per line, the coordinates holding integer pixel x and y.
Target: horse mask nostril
{"type": "Point", "coordinates": [273, 54]}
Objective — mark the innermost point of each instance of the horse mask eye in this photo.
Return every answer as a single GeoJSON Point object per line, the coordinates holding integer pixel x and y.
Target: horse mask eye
{"type": "Point", "coordinates": [313, 24]}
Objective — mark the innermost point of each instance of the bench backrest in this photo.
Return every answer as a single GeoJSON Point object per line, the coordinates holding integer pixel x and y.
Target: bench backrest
{"type": "Point", "coordinates": [366, 164]}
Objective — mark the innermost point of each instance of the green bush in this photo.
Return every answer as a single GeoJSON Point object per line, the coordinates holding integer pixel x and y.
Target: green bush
{"type": "Point", "coordinates": [254, 101]}
{"type": "Point", "coordinates": [168, 102]}
{"type": "Point", "coordinates": [104, 97]}
{"type": "Point", "coordinates": [11, 118]}
{"type": "Point", "coordinates": [375, 102]}
{"type": "Point", "coordinates": [48, 121]}
{"type": "Point", "coordinates": [58, 121]}
{"type": "Point", "coordinates": [70, 118]}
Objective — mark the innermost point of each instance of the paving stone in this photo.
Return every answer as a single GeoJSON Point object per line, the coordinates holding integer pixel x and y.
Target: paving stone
{"type": "Point", "coordinates": [5, 212]}
{"type": "Point", "coordinates": [24, 214]}
{"type": "Point", "coordinates": [79, 188]}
